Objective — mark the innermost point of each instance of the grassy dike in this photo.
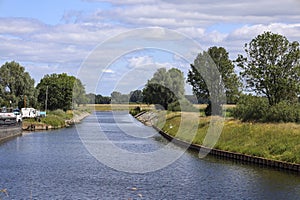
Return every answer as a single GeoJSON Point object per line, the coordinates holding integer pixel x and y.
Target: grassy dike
{"type": "Point", "coordinates": [56, 119]}
{"type": "Point", "coordinates": [275, 141]}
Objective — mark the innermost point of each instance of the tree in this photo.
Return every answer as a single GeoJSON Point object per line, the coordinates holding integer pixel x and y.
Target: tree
{"type": "Point", "coordinates": [136, 96]}
{"type": "Point", "coordinates": [165, 87]}
{"type": "Point", "coordinates": [118, 97]}
{"type": "Point", "coordinates": [16, 84]}
{"type": "Point", "coordinates": [97, 99]}
{"type": "Point", "coordinates": [62, 91]}
{"type": "Point", "coordinates": [272, 67]}
{"type": "Point", "coordinates": [211, 76]}
{"type": "Point", "coordinates": [78, 95]}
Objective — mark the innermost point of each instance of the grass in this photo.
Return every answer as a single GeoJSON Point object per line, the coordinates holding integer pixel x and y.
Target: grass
{"type": "Point", "coordinates": [56, 118]}
{"type": "Point", "coordinates": [277, 141]}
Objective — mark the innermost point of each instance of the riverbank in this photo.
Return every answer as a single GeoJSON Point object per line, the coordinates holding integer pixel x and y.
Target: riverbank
{"type": "Point", "coordinates": [55, 120]}
{"type": "Point", "coordinates": [254, 142]}
{"type": "Point", "coordinates": [8, 132]}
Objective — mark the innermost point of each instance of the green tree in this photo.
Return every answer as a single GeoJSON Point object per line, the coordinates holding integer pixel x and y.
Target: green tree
{"type": "Point", "coordinates": [62, 91]}
{"type": "Point", "coordinates": [272, 67]}
{"type": "Point", "coordinates": [136, 96]}
{"type": "Point", "coordinates": [165, 87]}
{"type": "Point", "coordinates": [16, 84]}
{"type": "Point", "coordinates": [117, 97]}
{"type": "Point", "coordinates": [211, 76]}
{"type": "Point", "coordinates": [79, 95]}
{"type": "Point", "coordinates": [97, 99]}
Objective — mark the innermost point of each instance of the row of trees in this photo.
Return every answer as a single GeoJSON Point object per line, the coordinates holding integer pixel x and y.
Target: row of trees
{"type": "Point", "coordinates": [17, 89]}
{"type": "Point", "coordinates": [270, 71]}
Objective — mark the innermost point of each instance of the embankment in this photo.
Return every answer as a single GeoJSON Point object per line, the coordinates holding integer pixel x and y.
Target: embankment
{"type": "Point", "coordinates": [9, 132]}
{"type": "Point", "coordinates": [150, 119]}
{"type": "Point", "coordinates": [55, 122]}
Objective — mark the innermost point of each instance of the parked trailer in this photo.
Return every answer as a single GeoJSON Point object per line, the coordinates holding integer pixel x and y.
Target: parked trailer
{"type": "Point", "coordinates": [28, 112]}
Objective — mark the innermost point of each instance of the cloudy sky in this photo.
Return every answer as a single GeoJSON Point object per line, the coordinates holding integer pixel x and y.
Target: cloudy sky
{"type": "Point", "coordinates": [63, 35]}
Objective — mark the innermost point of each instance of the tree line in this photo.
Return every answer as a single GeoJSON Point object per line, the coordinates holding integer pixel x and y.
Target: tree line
{"type": "Point", "coordinates": [58, 91]}
{"type": "Point", "coordinates": [267, 87]}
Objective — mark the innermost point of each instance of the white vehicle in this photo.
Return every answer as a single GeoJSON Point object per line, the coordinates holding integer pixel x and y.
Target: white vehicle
{"type": "Point", "coordinates": [8, 116]}
{"type": "Point", "coordinates": [28, 112]}
{"type": "Point", "coordinates": [18, 115]}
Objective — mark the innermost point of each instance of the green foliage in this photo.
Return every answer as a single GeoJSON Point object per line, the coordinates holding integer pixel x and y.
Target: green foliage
{"type": "Point", "coordinates": [97, 99]}
{"type": "Point", "coordinates": [182, 105]}
{"type": "Point", "coordinates": [284, 112]}
{"type": "Point", "coordinates": [212, 75]}
{"type": "Point", "coordinates": [61, 113]}
{"type": "Point", "coordinates": [272, 67]}
{"type": "Point", "coordinates": [157, 94]}
{"type": "Point", "coordinates": [119, 98]}
{"type": "Point", "coordinates": [63, 90]}
{"type": "Point", "coordinates": [15, 85]}
{"type": "Point", "coordinates": [135, 111]}
{"type": "Point", "coordinates": [136, 96]}
{"type": "Point", "coordinates": [251, 108]}
{"type": "Point", "coordinates": [164, 88]}
{"type": "Point", "coordinates": [53, 120]}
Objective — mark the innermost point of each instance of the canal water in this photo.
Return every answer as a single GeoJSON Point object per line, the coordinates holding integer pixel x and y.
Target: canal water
{"type": "Point", "coordinates": [57, 165]}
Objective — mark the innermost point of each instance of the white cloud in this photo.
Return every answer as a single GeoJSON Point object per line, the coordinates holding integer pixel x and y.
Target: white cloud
{"type": "Point", "coordinates": [109, 71]}
{"type": "Point", "coordinates": [201, 13]}
{"type": "Point", "coordinates": [70, 42]}
{"type": "Point", "coordinates": [291, 30]}
{"type": "Point", "coordinates": [140, 61]}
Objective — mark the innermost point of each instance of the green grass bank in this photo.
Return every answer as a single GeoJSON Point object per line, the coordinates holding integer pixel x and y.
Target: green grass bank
{"type": "Point", "coordinates": [56, 119]}
{"type": "Point", "coordinates": [275, 141]}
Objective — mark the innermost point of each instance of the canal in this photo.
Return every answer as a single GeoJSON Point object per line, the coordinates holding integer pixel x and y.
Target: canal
{"type": "Point", "coordinates": [61, 164]}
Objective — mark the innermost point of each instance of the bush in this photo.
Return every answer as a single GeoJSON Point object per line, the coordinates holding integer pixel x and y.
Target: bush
{"type": "Point", "coordinates": [135, 111]}
{"type": "Point", "coordinates": [251, 108]}
{"type": "Point", "coordinates": [61, 113]}
{"type": "Point", "coordinates": [53, 120]}
{"type": "Point", "coordinates": [284, 112]}
{"type": "Point", "coordinates": [182, 105]}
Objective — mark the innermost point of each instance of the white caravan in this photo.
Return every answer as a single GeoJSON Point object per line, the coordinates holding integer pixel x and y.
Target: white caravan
{"type": "Point", "coordinates": [28, 112]}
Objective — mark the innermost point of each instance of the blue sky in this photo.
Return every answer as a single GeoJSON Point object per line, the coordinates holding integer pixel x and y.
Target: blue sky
{"type": "Point", "coordinates": [49, 12]}
{"type": "Point", "coordinates": [59, 36]}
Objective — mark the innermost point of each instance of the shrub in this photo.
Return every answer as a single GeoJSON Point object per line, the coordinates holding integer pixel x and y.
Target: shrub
{"type": "Point", "coordinates": [182, 105]}
{"type": "Point", "coordinates": [135, 111]}
{"type": "Point", "coordinates": [283, 112]}
{"type": "Point", "coordinates": [53, 120]}
{"type": "Point", "coordinates": [251, 108]}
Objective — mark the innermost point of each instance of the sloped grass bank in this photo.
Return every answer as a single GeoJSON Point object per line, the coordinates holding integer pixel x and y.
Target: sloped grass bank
{"type": "Point", "coordinates": [56, 119]}
{"type": "Point", "coordinates": [276, 141]}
